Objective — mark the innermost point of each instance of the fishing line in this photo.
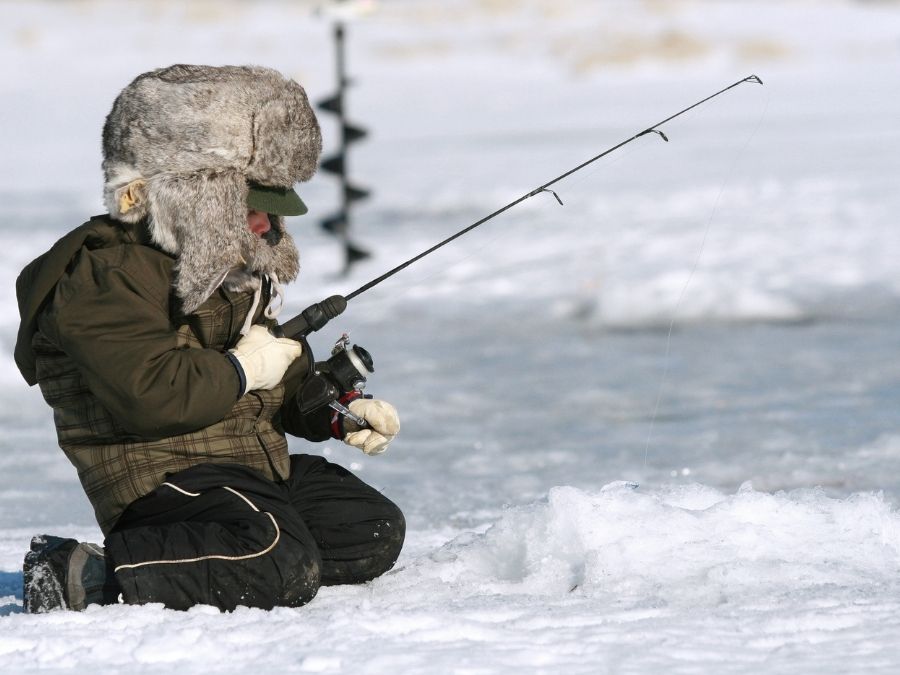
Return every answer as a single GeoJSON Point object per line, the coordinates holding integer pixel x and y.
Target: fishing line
{"type": "Point", "coordinates": [666, 357]}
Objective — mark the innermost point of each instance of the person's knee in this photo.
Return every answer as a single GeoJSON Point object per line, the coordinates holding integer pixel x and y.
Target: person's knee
{"type": "Point", "coordinates": [371, 559]}
{"type": "Point", "coordinates": [392, 533]}
{"type": "Point", "coordinates": [388, 535]}
{"type": "Point", "coordinates": [302, 579]}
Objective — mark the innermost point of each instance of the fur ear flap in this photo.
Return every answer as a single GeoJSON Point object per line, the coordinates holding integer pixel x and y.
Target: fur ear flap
{"type": "Point", "coordinates": [199, 217]}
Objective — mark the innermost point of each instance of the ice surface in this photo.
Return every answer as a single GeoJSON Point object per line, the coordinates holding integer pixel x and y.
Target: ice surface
{"type": "Point", "coordinates": [716, 318]}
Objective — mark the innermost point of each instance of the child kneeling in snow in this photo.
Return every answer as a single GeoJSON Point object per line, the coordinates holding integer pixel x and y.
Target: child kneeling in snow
{"type": "Point", "coordinates": [147, 329]}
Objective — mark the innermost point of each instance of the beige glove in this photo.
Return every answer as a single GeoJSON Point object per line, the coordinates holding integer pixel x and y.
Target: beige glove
{"type": "Point", "coordinates": [384, 424]}
{"type": "Point", "coordinates": [264, 358]}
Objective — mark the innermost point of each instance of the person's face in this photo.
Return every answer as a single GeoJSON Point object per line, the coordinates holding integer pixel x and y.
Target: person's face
{"type": "Point", "coordinates": [258, 222]}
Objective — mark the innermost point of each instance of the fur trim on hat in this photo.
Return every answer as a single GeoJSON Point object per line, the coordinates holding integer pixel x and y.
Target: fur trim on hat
{"type": "Point", "coordinates": [180, 145]}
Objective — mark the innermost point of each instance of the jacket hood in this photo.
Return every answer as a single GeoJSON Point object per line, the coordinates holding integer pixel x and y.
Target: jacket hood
{"type": "Point", "coordinates": [36, 283]}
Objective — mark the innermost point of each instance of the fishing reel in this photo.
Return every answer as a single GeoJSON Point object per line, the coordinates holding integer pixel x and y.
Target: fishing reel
{"type": "Point", "coordinates": [345, 371]}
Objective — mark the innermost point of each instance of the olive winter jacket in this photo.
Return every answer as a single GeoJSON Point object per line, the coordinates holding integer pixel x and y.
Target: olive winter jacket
{"type": "Point", "coordinates": [138, 389]}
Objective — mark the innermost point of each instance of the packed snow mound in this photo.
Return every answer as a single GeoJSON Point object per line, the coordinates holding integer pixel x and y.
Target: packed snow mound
{"type": "Point", "coordinates": [563, 582]}
{"type": "Point", "coordinates": [689, 544]}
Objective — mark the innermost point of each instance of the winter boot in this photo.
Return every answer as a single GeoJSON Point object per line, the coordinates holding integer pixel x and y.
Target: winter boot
{"type": "Point", "coordinates": [64, 574]}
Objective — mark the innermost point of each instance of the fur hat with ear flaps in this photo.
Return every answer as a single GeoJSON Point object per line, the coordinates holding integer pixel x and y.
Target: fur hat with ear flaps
{"type": "Point", "coordinates": [179, 147]}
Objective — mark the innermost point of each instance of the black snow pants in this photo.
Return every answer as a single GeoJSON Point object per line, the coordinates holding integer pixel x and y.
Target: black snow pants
{"type": "Point", "coordinates": [224, 535]}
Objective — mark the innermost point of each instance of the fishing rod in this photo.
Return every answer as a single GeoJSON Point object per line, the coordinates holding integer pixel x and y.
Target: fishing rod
{"type": "Point", "coordinates": [347, 368]}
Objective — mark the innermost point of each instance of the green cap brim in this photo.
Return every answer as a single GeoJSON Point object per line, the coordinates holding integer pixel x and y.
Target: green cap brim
{"type": "Point", "coordinates": [276, 200]}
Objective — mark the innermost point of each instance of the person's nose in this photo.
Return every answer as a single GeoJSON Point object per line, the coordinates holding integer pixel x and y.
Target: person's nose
{"type": "Point", "coordinates": [258, 223]}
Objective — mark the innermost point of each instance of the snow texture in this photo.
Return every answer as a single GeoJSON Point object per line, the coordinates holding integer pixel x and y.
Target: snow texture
{"type": "Point", "coordinates": [656, 429]}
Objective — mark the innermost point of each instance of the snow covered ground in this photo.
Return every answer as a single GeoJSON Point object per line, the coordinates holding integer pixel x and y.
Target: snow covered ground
{"type": "Point", "coordinates": [533, 362]}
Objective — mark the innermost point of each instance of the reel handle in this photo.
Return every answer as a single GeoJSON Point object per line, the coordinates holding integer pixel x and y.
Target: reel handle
{"type": "Point", "coordinates": [312, 318]}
